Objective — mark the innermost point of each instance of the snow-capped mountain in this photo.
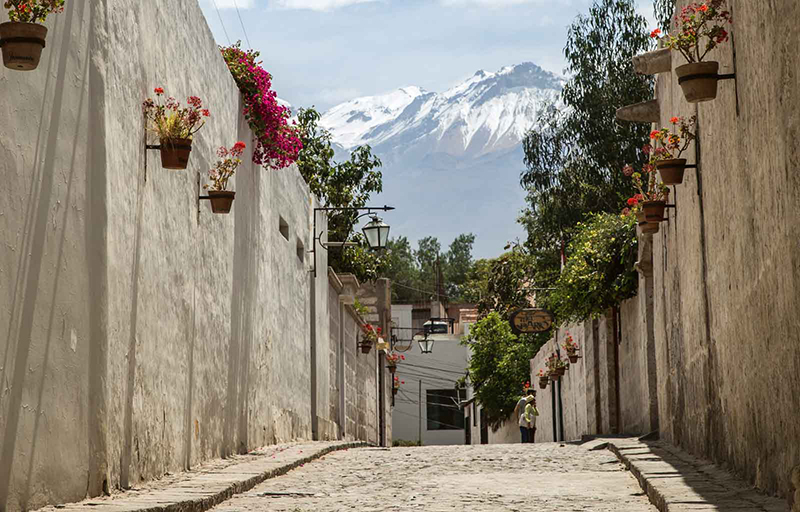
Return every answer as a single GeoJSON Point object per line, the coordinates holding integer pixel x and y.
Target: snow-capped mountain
{"type": "Point", "coordinates": [488, 112]}
{"type": "Point", "coordinates": [452, 160]}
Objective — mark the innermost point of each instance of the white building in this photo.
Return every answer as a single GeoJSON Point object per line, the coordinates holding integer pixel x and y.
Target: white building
{"type": "Point", "coordinates": [426, 406]}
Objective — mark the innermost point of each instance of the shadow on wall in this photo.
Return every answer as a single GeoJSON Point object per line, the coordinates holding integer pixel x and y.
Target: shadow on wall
{"type": "Point", "coordinates": [26, 288]}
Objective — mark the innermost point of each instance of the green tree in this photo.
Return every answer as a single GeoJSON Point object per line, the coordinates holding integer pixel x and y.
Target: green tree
{"type": "Point", "coordinates": [575, 155]}
{"type": "Point", "coordinates": [663, 10]}
{"type": "Point", "coordinates": [599, 273]}
{"type": "Point", "coordinates": [508, 286]}
{"type": "Point", "coordinates": [400, 266]}
{"type": "Point", "coordinates": [500, 365]}
{"type": "Point", "coordinates": [347, 184]}
{"type": "Point", "coordinates": [458, 263]}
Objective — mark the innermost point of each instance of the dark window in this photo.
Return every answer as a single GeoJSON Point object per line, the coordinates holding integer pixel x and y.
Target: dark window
{"type": "Point", "coordinates": [443, 410]}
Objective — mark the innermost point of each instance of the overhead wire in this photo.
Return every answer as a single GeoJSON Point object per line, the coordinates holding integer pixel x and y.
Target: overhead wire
{"type": "Point", "coordinates": [242, 23]}
{"type": "Point", "coordinates": [221, 22]}
{"type": "Point", "coordinates": [456, 427]}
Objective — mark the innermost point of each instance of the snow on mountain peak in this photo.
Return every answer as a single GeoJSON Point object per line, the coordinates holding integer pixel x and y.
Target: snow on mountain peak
{"type": "Point", "coordinates": [487, 112]}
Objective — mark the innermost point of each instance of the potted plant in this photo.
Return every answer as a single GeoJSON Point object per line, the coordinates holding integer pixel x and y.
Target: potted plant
{"type": "Point", "coordinates": [635, 208]}
{"type": "Point", "coordinates": [557, 367]}
{"type": "Point", "coordinates": [23, 38]}
{"type": "Point", "coordinates": [700, 29]}
{"type": "Point", "coordinates": [175, 127]}
{"type": "Point", "coordinates": [544, 378]}
{"type": "Point", "coordinates": [396, 385]}
{"type": "Point", "coordinates": [653, 194]}
{"type": "Point", "coordinates": [572, 348]}
{"type": "Point", "coordinates": [669, 146]}
{"type": "Point", "coordinates": [369, 337]}
{"type": "Point", "coordinates": [221, 198]}
{"type": "Point", "coordinates": [392, 359]}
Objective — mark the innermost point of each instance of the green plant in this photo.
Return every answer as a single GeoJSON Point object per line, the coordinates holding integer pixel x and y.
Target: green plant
{"type": "Point", "coordinates": [171, 121]}
{"type": "Point", "coordinates": [225, 168]}
{"type": "Point", "coordinates": [499, 361]}
{"type": "Point", "coordinates": [668, 143]}
{"type": "Point", "coordinates": [32, 11]}
{"type": "Point", "coordinates": [360, 308]}
{"type": "Point", "coordinates": [599, 272]}
{"type": "Point", "coordinates": [698, 22]}
{"type": "Point", "coordinates": [405, 443]}
{"type": "Point", "coordinates": [569, 345]}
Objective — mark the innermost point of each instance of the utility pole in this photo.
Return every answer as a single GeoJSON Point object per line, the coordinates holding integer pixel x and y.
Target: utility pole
{"type": "Point", "coordinates": [419, 438]}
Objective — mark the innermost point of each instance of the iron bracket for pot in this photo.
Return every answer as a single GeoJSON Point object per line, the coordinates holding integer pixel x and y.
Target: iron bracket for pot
{"type": "Point", "coordinates": [690, 166]}
{"type": "Point", "coordinates": [700, 76]}
{"type": "Point", "coordinates": [146, 147]}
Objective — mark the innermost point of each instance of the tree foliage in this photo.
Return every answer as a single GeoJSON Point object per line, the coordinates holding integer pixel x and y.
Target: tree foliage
{"type": "Point", "coordinates": [599, 272]}
{"type": "Point", "coordinates": [499, 366]}
{"type": "Point", "coordinates": [575, 154]}
{"type": "Point", "coordinates": [347, 184]}
{"type": "Point", "coordinates": [422, 274]}
{"type": "Point", "coordinates": [663, 10]}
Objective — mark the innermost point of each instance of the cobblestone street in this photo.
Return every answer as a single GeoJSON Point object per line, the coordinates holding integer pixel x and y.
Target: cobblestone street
{"type": "Point", "coordinates": [540, 477]}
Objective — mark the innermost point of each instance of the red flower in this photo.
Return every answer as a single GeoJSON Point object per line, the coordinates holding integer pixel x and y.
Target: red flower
{"type": "Point", "coordinates": [159, 91]}
{"type": "Point", "coordinates": [654, 134]}
{"type": "Point", "coordinates": [654, 34]}
{"type": "Point", "coordinates": [631, 201]}
{"type": "Point", "coordinates": [674, 120]}
{"type": "Point", "coordinates": [206, 112]}
{"type": "Point", "coordinates": [703, 8]}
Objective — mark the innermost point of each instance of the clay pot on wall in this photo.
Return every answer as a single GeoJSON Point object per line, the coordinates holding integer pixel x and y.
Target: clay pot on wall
{"type": "Point", "coordinates": [561, 371]}
{"type": "Point", "coordinates": [394, 391]}
{"type": "Point", "coordinates": [543, 382]}
{"type": "Point", "coordinates": [555, 376]}
{"type": "Point", "coordinates": [698, 80]}
{"type": "Point", "coordinates": [644, 226]}
{"type": "Point", "coordinates": [654, 210]}
{"type": "Point", "coordinates": [573, 358]}
{"type": "Point", "coordinates": [22, 44]}
{"type": "Point", "coordinates": [671, 170]}
{"type": "Point", "coordinates": [175, 153]}
{"type": "Point", "coordinates": [221, 200]}
{"type": "Point", "coordinates": [366, 347]}
{"type": "Point", "coordinates": [392, 369]}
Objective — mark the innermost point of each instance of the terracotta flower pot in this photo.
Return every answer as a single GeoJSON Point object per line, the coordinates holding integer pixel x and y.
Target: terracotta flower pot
{"type": "Point", "coordinates": [175, 153]}
{"type": "Point", "coordinates": [221, 200]}
{"type": "Point", "coordinates": [646, 227]}
{"type": "Point", "coordinates": [366, 347]}
{"type": "Point", "coordinates": [573, 358]}
{"type": "Point", "coordinates": [394, 391]}
{"type": "Point", "coordinates": [654, 210]}
{"type": "Point", "coordinates": [561, 371]}
{"type": "Point", "coordinates": [543, 382]}
{"type": "Point", "coordinates": [555, 376]}
{"type": "Point", "coordinates": [392, 369]}
{"type": "Point", "coordinates": [22, 44]}
{"type": "Point", "coordinates": [671, 170]}
{"type": "Point", "coordinates": [698, 80]}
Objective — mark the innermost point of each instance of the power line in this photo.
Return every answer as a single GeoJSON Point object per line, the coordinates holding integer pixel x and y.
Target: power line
{"type": "Point", "coordinates": [434, 368]}
{"type": "Point", "coordinates": [222, 22]}
{"type": "Point", "coordinates": [242, 22]}
{"type": "Point", "coordinates": [430, 292]}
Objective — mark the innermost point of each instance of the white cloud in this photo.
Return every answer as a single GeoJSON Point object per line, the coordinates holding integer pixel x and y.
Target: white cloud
{"type": "Point", "coordinates": [502, 3]}
{"type": "Point", "coordinates": [316, 5]}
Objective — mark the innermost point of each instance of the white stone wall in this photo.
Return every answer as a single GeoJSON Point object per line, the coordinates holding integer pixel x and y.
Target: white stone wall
{"type": "Point", "coordinates": [139, 336]}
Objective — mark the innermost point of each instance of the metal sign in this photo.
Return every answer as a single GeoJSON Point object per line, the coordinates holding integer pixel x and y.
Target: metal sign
{"type": "Point", "coordinates": [529, 321]}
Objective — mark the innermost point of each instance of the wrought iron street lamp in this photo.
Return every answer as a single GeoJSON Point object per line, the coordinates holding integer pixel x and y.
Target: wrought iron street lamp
{"type": "Point", "coordinates": [376, 232]}
{"type": "Point", "coordinates": [426, 344]}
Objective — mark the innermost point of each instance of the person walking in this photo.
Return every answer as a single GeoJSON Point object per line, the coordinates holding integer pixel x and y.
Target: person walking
{"type": "Point", "coordinates": [531, 412]}
{"type": "Point", "coordinates": [519, 411]}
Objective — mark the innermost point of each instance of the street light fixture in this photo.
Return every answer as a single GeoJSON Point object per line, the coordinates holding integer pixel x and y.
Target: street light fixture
{"type": "Point", "coordinates": [426, 344]}
{"type": "Point", "coordinates": [376, 232]}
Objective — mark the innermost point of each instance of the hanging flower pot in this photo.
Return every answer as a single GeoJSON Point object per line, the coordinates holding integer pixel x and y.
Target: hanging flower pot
{"type": "Point", "coordinates": [671, 170]}
{"type": "Point", "coordinates": [654, 210]}
{"type": "Point", "coordinates": [561, 371]}
{"type": "Point", "coordinates": [573, 358]}
{"type": "Point", "coordinates": [221, 200]}
{"type": "Point", "coordinates": [366, 347]}
{"type": "Point", "coordinates": [22, 44]}
{"type": "Point", "coordinates": [175, 153]}
{"type": "Point", "coordinates": [698, 80]}
{"type": "Point", "coordinates": [555, 376]}
{"type": "Point", "coordinates": [392, 369]}
{"type": "Point", "coordinates": [394, 391]}
{"type": "Point", "coordinates": [646, 227]}
{"type": "Point", "coordinates": [543, 382]}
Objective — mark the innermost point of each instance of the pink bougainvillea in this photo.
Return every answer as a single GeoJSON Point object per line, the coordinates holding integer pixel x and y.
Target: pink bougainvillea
{"type": "Point", "coordinates": [277, 141]}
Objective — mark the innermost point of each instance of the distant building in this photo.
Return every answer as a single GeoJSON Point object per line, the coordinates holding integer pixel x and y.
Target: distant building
{"type": "Point", "coordinates": [428, 403]}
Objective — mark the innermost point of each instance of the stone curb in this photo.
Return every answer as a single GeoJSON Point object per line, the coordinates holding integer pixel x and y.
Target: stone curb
{"type": "Point", "coordinates": [719, 490]}
{"type": "Point", "coordinates": [198, 499]}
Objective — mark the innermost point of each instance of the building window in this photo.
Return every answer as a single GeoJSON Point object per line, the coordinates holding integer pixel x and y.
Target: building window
{"type": "Point", "coordinates": [443, 410]}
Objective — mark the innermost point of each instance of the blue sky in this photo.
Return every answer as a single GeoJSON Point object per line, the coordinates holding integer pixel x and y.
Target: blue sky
{"type": "Point", "coordinates": [323, 52]}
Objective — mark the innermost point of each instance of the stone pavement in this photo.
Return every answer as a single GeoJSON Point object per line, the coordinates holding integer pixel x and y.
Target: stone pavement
{"type": "Point", "coordinates": [495, 478]}
{"type": "Point", "coordinates": [210, 483]}
{"type": "Point", "coordinates": [679, 482]}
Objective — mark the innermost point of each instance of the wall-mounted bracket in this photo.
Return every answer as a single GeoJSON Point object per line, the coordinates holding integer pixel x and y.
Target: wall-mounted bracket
{"type": "Point", "coordinates": [146, 148]}
{"type": "Point", "coordinates": [718, 77]}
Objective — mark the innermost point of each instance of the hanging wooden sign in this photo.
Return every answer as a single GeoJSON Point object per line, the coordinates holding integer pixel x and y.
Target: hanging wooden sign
{"type": "Point", "coordinates": [529, 321]}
